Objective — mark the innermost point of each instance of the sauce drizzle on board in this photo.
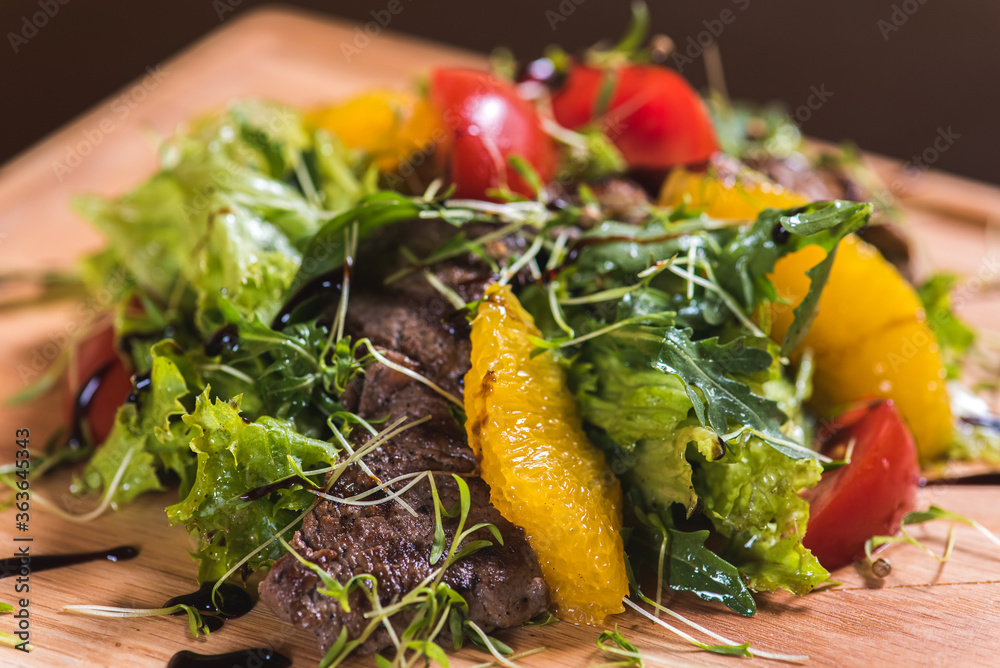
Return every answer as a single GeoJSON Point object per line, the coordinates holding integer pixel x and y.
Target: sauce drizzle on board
{"type": "Point", "coordinates": [45, 562]}
{"type": "Point", "coordinates": [260, 657]}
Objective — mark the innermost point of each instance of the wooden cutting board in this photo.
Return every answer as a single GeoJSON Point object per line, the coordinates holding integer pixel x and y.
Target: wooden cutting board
{"type": "Point", "coordinates": [922, 614]}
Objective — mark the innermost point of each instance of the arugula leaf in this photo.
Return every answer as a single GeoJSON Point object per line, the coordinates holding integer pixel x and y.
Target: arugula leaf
{"type": "Point", "coordinates": [693, 567]}
{"type": "Point", "coordinates": [327, 249]}
{"type": "Point", "coordinates": [750, 256]}
{"type": "Point", "coordinates": [721, 400]}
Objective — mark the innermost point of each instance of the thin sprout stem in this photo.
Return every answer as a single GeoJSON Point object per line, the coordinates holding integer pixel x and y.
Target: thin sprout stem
{"type": "Point", "coordinates": [557, 313]}
{"type": "Point", "coordinates": [500, 658]}
{"type": "Point", "coordinates": [603, 296]}
{"type": "Point", "coordinates": [726, 298]}
{"type": "Point", "coordinates": [528, 255]}
{"type": "Point", "coordinates": [225, 368]}
{"type": "Point", "coordinates": [306, 181]}
{"type": "Point", "coordinates": [411, 373]}
{"type": "Point", "coordinates": [656, 620]}
{"type": "Point", "coordinates": [722, 639]}
{"type": "Point", "coordinates": [602, 331]}
{"type": "Point", "coordinates": [391, 495]}
{"type": "Point", "coordinates": [453, 297]}
{"type": "Point", "coordinates": [109, 611]}
{"type": "Point", "coordinates": [513, 657]}
{"type": "Point", "coordinates": [105, 503]}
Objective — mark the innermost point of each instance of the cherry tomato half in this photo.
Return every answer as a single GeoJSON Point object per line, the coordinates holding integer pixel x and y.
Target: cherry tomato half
{"type": "Point", "coordinates": [654, 117]}
{"type": "Point", "coordinates": [488, 123]}
{"type": "Point", "coordinates": [98, 383]}
{"type": "Point", "coordinates": [868, 496]}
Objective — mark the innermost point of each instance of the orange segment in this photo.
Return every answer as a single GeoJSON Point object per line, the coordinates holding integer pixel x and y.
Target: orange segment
{"type": "Point", "coordinates": [544, 474]}
{"type": "Point", "coordinates": [870, 339]}
{"type": "Point", "coordinates": [743, 199]}
{"type": "Point", "coordinates": [900, 362]}
{"type": "Point", "coordinates": [389, 125]}
{"type": "Point", "coordinates": [863, 295]}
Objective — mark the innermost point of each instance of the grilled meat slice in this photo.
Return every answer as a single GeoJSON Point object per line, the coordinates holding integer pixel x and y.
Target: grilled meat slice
{"type": "Point", "coordinates": [409, 321]}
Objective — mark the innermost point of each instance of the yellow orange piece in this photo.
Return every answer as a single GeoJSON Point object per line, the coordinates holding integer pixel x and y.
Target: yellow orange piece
{"type": "Point", "coordinates": [390, 125]}
{"type": "Point", "coordinates": [870, 339]}
{"type": "Point", "coordinates": [742, 199]}
{"type": "Point", "coordinates": [544, 474]}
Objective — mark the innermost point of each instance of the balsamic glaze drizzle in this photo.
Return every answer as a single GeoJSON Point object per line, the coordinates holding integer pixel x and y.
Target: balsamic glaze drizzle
{"type": "Point", "coordinates": [264, 490]}
{"type": "Point", "coordinates": [330, 282]}
{"type": "Point", "coordinates": [977, 479]}
{"type": "Point", "coordinates": [260, 657]}
{"type": "Point", "coordinates": [81, 405]}
{"type": "Point", "coordinates": [234, 601]}
{"type": "Point", "coordinates": [44, 562]}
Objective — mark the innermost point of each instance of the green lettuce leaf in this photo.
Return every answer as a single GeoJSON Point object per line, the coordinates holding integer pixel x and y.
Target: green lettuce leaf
{"type": "Point", "coordinates": [235, 457]}
{"type": "Point", "coordinates": [751, 495]}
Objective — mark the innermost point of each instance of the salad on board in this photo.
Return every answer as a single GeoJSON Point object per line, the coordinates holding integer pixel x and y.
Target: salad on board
{"type": "Point", "coordinates": [546, 342]}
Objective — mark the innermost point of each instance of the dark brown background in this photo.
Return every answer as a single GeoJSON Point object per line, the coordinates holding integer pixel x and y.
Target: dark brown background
{"type": "Point", "coordinates": [893, 95]}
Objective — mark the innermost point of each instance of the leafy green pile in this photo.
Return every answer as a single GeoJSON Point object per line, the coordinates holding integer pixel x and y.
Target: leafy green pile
{"type": "Point", "coordinates": [663, 328]}
{"type": "Point", "coordinates": [689, 397]}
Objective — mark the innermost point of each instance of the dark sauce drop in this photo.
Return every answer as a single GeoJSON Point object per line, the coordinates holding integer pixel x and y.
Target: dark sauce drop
{"type": "Point", "coordinates": [226, 339]}
{"type": "Point", "coordinates": [780, 235]}
{"type": "Point", "coordinates": [234, 601]}
{"type": "Point", "coordinates": [45, 562]}
{"type": "Point", "coordinates": [260, 657]}
{"type": "Point", "coordinates": [264, 490]}
{"type": "Point", "coordinates": [81, 405]}
{"type": "Point", "coordinates": [330, 283]}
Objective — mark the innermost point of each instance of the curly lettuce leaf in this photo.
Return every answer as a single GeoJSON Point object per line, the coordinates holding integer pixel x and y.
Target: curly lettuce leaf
{"type": "Point", "coordinates": [639, 409]}
{"type": "Point", "coordinates": [234, 457]}
{"type": "Point", "coordinates": [751, 496]}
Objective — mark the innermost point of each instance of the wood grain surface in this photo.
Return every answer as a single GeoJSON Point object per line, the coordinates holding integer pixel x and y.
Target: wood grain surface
{"type": "Point", "coordinates": [922, 614]}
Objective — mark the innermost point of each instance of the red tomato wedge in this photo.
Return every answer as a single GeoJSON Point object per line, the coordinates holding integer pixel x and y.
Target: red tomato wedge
{"type": "Point", "coordinates": [488, 123]}
{"type": "Point", "coordinates": [98, 383]}
{"type": "Point", "coordinates": [870, 495]}
{"type": "Point", "coordinates": [654, 117]}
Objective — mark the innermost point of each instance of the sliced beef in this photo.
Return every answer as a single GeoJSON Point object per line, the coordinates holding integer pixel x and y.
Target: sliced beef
{"type": "Point", "coordinates": [502, 585]}
{"type": "Point", "coordinates": [410, 322]}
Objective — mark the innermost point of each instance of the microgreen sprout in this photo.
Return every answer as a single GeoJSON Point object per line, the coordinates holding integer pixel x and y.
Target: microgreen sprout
{"type": "Point", "coordinates": [725, 645]}
{"type": "Point", "coordinates": [431, 606]}
{"type": "Point", "coordinates": [196, 624]}
{"type": "Point", "coordinates": [622, 647]}
{"type": "Point", "coordinates": [920, 517]}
